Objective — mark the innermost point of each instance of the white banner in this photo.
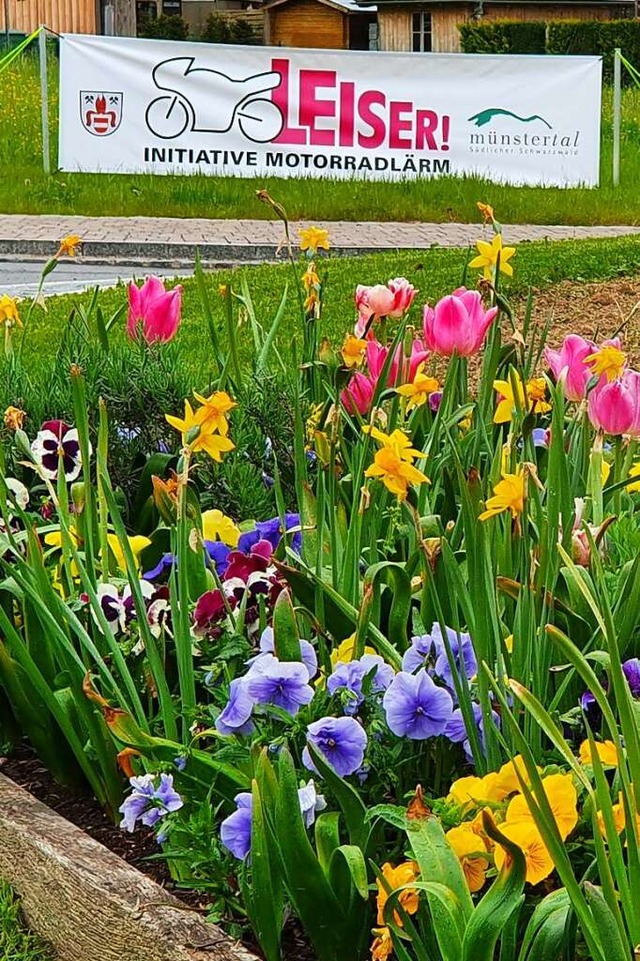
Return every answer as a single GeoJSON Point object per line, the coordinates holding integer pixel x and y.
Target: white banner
{"type": "Point", "coordinates": [158, 106]}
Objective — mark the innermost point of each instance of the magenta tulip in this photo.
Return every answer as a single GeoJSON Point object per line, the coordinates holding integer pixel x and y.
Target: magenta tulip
{"type": "Point", "coordinates": [613, 405]}
{"type": "Point", "coordinates": [631, 380]}
{"type": "Point", "coordinates": [458, 323]}
{"type": "Point", "coordinates": [154, 313]}
{"type": "Point", "coordinates": [571, 359]}
{"type": "Point", "coordinates": [376, 356]}
{"type": "Point", "coordinates": [358, 394]}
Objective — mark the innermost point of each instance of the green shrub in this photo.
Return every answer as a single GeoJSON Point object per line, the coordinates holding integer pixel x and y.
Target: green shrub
{"type": "Point", "coordinates": [503, 36]}
{"type": "Point", "coordinates": [164, 28]}
{"type": "Point", "coordinates": [597, 38]}
{"type": "Point", "coordinates": [221, 29]}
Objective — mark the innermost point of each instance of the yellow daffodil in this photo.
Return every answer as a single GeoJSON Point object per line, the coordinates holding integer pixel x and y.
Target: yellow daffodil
{"type": "Point", "coordinates": [526, 835]}
{"type": "Point", "coordinates": [471, 853]}
{"type": "Point", "coordinates": [508, 495]}
{"type": "Point", "coordinates": [397, 441]}
{"type": "Point", "coordinates": [68, 246]}
{"type": "Point", "coordinates": [188, 422]}
{"type": "Point", "coordinates": [310, 277]}
{"type": "Point", "coordinates": [353, 351]}
{"type": "Point", "coordinates": [137, 543]}
{"type": "Point", "coordinates": [14, 418]}
{"type": "Point", "coordinates": [382, 945]}
{"type": "Point", "coordinates": [395, 473]}
{"type": "Point", "coordinates": [514, 396]}
{"type": "Point", "coordinates": [214, 444]}
{"type": "Point", "coordinates": [417, 393]}
{"type": "Point", "coordinates": [634, 487]}
{"type": "Point", "coordinates": [508, 643]}
{"type": "Point", "coordinates": [606, 751]}
{"type": "Point", "coordinates": [396, 877]}
{"type": "Point", "coordinates": [314, 239]}
{"type": "Point", "coordinates": [508, 781]}
{"type": "Point", "coordinates": [609, 360]}
{"type": "Point", "coordinates": [216, 526]}
{"type": "Point", "coordinates": [491, 254]}
{"type": "Point", "coordinates": [486, 210]}
{"type": "Point", "coordinates": [563, 801]}
{"type": "Point", "coordinates": [212, 414]}
{"type": "Point", "coordinates": [9, 315]}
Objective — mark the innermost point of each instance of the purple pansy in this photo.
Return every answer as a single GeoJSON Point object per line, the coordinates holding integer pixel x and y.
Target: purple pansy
{"type": "Point", "coordinates": [147, 802]}
{"type": "Point", "coordinates": [307, 651]}
{"type": "Point", "coordinates": [235, 830]}
{"type": "Point", "coordinates": [57, 443]}
{"type": "Point", "coordinates": [419, 654]}
{"type": "Point", "coordinates": [284, 684]}
{"type": "Point", "coordinates": [272, 531]}
{"type": "Point", "coordinates": [456, 729]}
{"type": "Point", "coordinates": [631, 670]}
{"type": "Point", "coordinates": [340, 740]}
{"type": "Point", "coordinates": [236, 717]}
{"type": "Point", "coordinates": [462, 651]}
{"type": "Point", "coordinates": [164, 565]}
{"type": "Point", "coordinates": [416, 707]}
{"type": "Point", "coordinates": [349, 677]}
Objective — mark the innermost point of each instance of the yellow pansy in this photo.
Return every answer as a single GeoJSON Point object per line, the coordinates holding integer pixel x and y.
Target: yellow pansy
{"type": "Point", "coordinates": [346, 650]}
{"type": "Point", "coordinates": [471, 853]}
{"type": "Point", "coordinates": [634, 487]}
{"type": "Point", "coordinates": [563, 801]}
{"type": "Point", "coordinates": [491, 254]}
{"type": "Point", "coordinates": [396, 877]}
{"type": "Point", "coordinates": [537, 858]}
{"type": "Point", "coordinates": [606, 751]}
{"type": "Point", "coordinates": [508, 782]}
{"type": "Point", "coordinates": [217, 526]}
{"type": "Point", "coordinates": [382, 945]}
{"type": "Point", "coordinates": [137, 543]}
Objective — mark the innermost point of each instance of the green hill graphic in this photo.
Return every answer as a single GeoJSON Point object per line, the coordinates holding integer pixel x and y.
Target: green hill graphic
{"type": "Point", "coordinates": [486, 116]}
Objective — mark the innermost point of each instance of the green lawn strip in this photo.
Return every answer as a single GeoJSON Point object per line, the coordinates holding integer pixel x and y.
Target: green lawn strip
{"type": "Point", "coordinates": [25, 189]}
{"type": "Point", "coordinates": [434, 272]}
{"type": "Point", "coordinates": [16, 942]}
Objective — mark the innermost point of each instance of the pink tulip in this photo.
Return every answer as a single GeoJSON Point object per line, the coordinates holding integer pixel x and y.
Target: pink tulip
{"type": "Point", "coordinates": [154, 311]}
{"type": "Point", "coordinates": [613, 405]}
{"type": "Point", "coordinates": [376, 356]}
{"type": "Point", "coordinates": [458, 323]}
{"type": "Point", "coordinates": [380, 301]}
{"type": "Point", "coordinates": [571, 359]}
{"type": "Point", "coordinates": [631, 380]}
{"type": "Point", "coordinates": [358, 394]}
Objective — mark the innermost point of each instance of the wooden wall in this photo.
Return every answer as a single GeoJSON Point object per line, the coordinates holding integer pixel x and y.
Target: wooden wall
{"type": "Point", "coordinates": [394, 28]}
{"type": "Point", "coordinates": [395, 24]}
{"type": "Point", "coordinates": [306, 23]}
{"type": "Point", "coordinates": [63, 16]}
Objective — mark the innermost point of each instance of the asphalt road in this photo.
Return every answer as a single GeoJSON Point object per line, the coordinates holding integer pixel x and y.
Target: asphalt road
{"type": "Point", "coordinates": [21, 278]}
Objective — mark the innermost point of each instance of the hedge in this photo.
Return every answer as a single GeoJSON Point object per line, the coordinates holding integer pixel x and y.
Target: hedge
{"type": "Point", "coordinates": [594, 37]}
{"type": "Point", "coordinates": [503, 36]}
{"type": "Point", "coordinates": [599, 37]}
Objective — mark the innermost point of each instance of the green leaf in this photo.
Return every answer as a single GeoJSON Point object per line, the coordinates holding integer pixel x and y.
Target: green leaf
{"type": "Point", "coordinates": [606, 925]}
{"type": "Point", "coordinates": [504, 897]}
{"type": "Point", "coordinates": [264, 894]}
{"type": "Point", "coordinates": [286, 638]}
{"type": "Point", "coordinates": [327, 834]}
{"type": "Point", "coordinates": [350, 856]}
{"type": "Point", "coordinates": [546, 931]}
{"type": "Point", "coordinates": [351, 804]}
{"type": "Point", "coordinates": [438, 861]}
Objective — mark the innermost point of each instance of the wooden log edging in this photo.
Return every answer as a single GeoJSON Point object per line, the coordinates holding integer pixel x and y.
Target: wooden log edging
{"type": "Point", "coordinates": [87, 902]}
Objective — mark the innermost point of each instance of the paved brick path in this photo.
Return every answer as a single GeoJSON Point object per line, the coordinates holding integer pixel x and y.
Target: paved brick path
{"type": "Point", "coordinates": [168, 239]}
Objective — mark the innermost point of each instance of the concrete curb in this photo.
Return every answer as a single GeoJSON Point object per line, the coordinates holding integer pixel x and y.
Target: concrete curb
{"type": "Point", "coordinates": [87, 902]}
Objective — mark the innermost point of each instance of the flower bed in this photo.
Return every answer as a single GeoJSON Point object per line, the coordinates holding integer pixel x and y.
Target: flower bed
{"type": "Point", "coordinates": [402, 709]}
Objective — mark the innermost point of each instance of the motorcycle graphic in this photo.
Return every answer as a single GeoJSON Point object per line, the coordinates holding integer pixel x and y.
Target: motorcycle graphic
{"type": "Point", "coordinates": [207, 101]}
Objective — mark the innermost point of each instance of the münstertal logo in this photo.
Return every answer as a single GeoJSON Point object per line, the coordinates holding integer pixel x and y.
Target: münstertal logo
{"type": "Point", "coordinates": [486, 116]}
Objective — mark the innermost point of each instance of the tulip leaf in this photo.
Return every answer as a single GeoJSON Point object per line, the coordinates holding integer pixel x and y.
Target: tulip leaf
{"type": "Point", "coordinates": [263, 893]}
{"type": "Point", "coordinates": [546, 931]}
{"type": "Point", "coordinates": [286, 638]}
{"type": "Point", "coordinates": [448, 922]}
{"type": "Point", "coordinates": [351, 857]}
{"type": "Point", "coordinates": [438, 861]}
{"type": "Point", "coordinates": [605, 924]}
{"type": "Point", "coordinates": [351, 805]}
{"type": "Point", "coordinates": [327, 835]}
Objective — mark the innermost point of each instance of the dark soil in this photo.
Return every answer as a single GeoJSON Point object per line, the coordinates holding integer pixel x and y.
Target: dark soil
{"type": "Point", "coordinates": [83, 810]}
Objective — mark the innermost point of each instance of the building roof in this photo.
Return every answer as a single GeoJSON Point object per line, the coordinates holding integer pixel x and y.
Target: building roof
{"type": "Point", "coordinates": [345, 6]}
{"type": "Point", "coordinates": [513, 3]}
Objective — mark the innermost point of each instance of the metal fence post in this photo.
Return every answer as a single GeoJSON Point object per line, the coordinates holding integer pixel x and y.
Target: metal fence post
{"type": "Point", "coordinates": [44, 96]}
{"type": "Point", "coordinates": [617, 83]}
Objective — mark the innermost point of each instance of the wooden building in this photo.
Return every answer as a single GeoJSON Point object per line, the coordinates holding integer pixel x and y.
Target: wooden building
{"type": "Point", "coordinates": [332, 24]}
{"type": "Point", "coordinates": [432, 25]}
{"type": "Point", "coordinates": [68, 16]}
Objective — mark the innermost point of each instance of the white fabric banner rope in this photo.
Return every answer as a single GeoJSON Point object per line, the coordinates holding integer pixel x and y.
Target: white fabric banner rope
{"type": "Point", "coordinates": [157, 106]}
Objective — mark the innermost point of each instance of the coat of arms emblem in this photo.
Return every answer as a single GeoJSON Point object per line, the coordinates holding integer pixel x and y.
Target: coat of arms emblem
{"type": "Point", "coordinates": [100, 111]}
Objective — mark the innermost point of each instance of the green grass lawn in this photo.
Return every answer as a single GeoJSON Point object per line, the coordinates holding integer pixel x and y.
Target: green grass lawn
{"type": "Point", "coordinates": [434, 272]}
{"type": "Point", "coordinates": [16, 943]}
{"type": "Point", "coordinates": [25, 189]}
